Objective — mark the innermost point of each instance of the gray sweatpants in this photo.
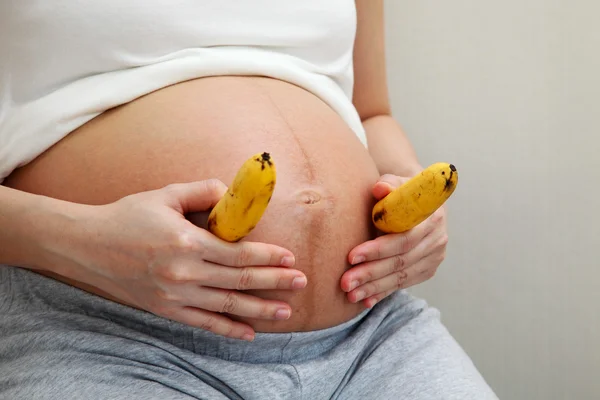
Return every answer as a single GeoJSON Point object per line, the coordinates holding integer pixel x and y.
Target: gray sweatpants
{"type": "Point", "coordinates": [58, 342]}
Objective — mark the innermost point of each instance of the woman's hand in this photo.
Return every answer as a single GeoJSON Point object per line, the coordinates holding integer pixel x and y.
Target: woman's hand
{"type": "Point", "coordinates": [395, 261]}
{"type": "Point", "coordinates": [143, 251]}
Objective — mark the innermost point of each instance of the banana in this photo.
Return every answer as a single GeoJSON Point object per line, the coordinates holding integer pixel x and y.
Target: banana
{"type": "Point", "coordinates": [239, 210]}
{"type": "Point", "coordinates": [411, 203]}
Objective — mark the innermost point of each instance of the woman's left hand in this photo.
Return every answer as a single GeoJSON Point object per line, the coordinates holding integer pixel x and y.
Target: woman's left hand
{"type": "Point", "coordinates": [398, 260]}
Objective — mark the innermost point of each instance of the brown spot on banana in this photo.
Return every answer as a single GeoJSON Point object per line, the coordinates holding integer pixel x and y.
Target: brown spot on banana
{"type": "Point", "coordinates": [264, 158]}
{"type": "Point", "coordinates": [379, 215]}
{"type": "Point", "coordinates": [212, 222]}
{"type": "Point", "coordinates": [249, 206]}
{"type": "Point", "coordinates": [449, 182]}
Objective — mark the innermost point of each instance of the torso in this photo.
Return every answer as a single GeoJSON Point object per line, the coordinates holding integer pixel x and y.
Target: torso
{"type": "Point", "coordinates": [206, 128]}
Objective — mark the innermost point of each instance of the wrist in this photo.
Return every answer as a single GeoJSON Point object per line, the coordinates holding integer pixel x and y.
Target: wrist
{"type": "Point", "coordinates": [57, 228]}
{"type": "Point", "coordinates": [390, 148]}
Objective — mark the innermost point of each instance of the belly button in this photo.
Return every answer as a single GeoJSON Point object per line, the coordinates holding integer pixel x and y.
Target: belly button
{"type": "Point", "coordinates": [309, 197]}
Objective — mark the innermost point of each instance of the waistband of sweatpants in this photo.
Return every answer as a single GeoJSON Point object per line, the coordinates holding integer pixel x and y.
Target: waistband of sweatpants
{"type": "Point", "coordinates": [34, 293]}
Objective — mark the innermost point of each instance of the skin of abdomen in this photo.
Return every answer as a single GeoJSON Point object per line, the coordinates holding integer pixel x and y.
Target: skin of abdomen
{"type": "Point", "coordinates": [206, 128]}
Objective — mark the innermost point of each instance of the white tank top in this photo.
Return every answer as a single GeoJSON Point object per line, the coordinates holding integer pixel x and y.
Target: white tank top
{"type": "Point", "coordinates": [63, 62]}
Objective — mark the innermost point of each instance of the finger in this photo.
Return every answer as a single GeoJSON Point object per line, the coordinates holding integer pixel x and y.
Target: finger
{"type": "Point", "coordinates": [413, 279]}
{"type": "Point", "coordinates": [381, 189]}
{"type": "Point", "coordinates": [243, 254]}
{"type": "Point", "coordinates": [195, 196]}
{"type": "Point", "coordinates": [213, 322]}
{"type": "Point", "coordinates": [241, 304]}
{"type": "Point", "coordinates": [386, 183]}
{"type": "Point", "coordinates": [248, 278]}
{"type": "Point", "coordinates": [371, 301]}
{"type": "Point", "coordinates": [391, 244]}
{"type": "Point", "coordinates": [392, 180]}
{"type": "Point", "coordinates": [380, 268]}
{"type": "Point", "coordinates": [399, 280]}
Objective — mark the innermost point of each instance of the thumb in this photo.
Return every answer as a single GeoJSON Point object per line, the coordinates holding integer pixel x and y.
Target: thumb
{"type": "Point", "coordinates": [386, 183]}
{"type": "Point", "coordinates": [195, 196]}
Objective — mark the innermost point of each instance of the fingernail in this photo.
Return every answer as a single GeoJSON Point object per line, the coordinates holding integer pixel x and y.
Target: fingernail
{"type": "Point", "coordinates": [299, 282]}
{"type": "Point", "coordinates": [282, 314]}
{"type": "Point", "coordinates": [360, 295]}
{"type": "Point", "coordinates": [353, 285]}
{"type": "Point", "coordinates": [248, 337]}
{"type": "Point", "coordinates": [358, 259]}
{"type": "Point", "coordinates": [288, 261]}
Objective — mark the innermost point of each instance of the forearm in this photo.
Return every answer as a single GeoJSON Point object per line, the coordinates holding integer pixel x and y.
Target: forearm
{"type": "Point", "coordinates": [390, 148]}
{"type": "Point", "coordinates": [30, 226]}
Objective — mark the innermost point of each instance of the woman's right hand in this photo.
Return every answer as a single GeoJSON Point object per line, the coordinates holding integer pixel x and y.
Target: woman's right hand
{"type": "Point", "coordinates": [143, 251]}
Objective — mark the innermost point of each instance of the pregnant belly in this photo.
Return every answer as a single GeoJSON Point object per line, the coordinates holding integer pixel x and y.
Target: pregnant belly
{"type": "Point", "coordinates": [206, 128]}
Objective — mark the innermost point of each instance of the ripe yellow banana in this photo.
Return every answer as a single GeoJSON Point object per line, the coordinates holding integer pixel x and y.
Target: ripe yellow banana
{"type": "Point", "coordinates": [411, 203]}
{"type": "Point", "coordinates": [240, 209]}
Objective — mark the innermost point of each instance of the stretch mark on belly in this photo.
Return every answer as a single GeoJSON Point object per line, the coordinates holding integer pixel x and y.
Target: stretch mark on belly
{"type": "Point", "coordinates": [308, 165]}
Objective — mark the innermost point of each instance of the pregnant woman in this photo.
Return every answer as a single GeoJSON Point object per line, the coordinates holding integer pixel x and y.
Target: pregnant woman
{"type": "Point", "coordinates": [122, 122]}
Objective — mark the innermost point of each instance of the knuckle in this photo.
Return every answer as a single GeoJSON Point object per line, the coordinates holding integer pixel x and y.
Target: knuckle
{"type": "Point", "coordinates": [404, 243]}
{"type": "Point", "coordinates": [162, 295]}
{"type": "Point", "coordinates": [230, 303]}
{"type": "Point", "coordinates": [228, 330]}
{"type": "Point", "coordinates": [380, 296]}
{"type": "Point", "coordinates": [160, 303]}
{"type": "Point", "coordinates": [246, 279]}
{"type": "Point", "coordinates": [183, 242]}
{"type": "Point", "coordinates": [430, 273]}
{"type": "Point", "coordinates": [393, 180]}
{"type": "Point", "coordinates": [209, 323]}
{"type": "Point", "coordinates": [265, 311]}
{"type": "Point", "coordinates": [437, 217]}
{"type": "Point", "coordinates": [377, 250]}
{"type": "Point", "coordinates": [172, 188]}
{"type": "Point", "coordinates": [444, 240]}
{"type": "Point", "coordinates": [244, 255]}
{"type": "Point", "coordinates": [215, 187]}
{"type": "Point", "coordinates": [441, 256]}
{"type": "Point", "coordinates": [401, 277]}
{"type": "Point", "coordinates": [132, 200]}
{"type": "Point", "coordinates": [202, 242]}
{"type": "Point", "coordinates": [175, 273]}
{"type": "Point", "coordinates": [398, 263]}
{"type": "Point", "coordinates": [187, 242]}
{"type": "Point", "coordinates": [274, 258]}
{"type": "Point", "coordinates": [373, 287]}
{"type": "Point", "coordinates": [281, 282]}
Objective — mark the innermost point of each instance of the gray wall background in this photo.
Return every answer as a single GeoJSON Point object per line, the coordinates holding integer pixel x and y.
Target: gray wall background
{"type": "Point", "coordinates": [509, 91]}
